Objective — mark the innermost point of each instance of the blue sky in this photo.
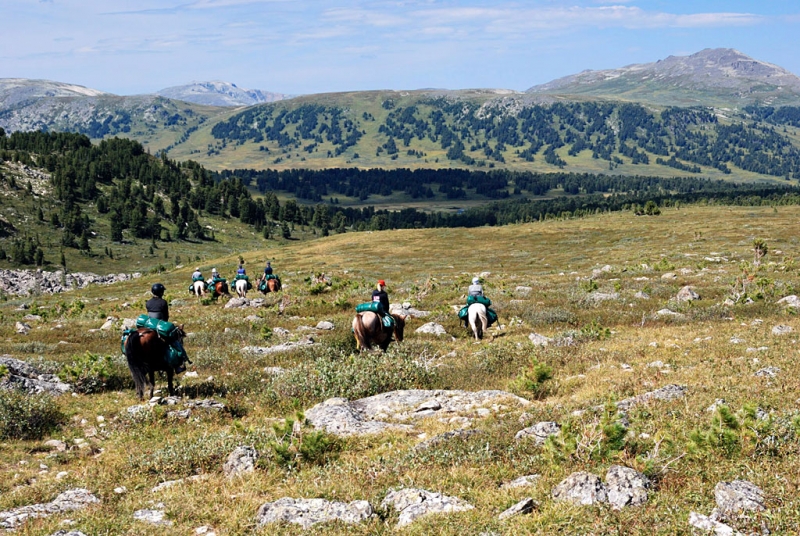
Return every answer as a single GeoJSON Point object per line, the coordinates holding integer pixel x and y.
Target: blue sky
{"type": "Point", "coordinates": [313, 46]}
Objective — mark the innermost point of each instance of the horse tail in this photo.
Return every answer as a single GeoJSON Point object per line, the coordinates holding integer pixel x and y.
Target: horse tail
{"type": "Point", "coordinates": [133, 352]}
{"type": "Point", "coordinates": [360, 332]}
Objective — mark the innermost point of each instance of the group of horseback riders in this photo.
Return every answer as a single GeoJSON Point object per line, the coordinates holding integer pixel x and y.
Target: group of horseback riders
{"type": "Point", "coordinates": [158, 308]}
{"type": "Point", "coordinates": [217, 284]}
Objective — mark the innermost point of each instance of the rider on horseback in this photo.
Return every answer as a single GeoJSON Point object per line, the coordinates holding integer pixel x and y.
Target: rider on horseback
{"type": "Point", "coordinates": [379, 295]}
{"type": "Point", "coordinates": [475, 289]}
{"type": "Point", "coordinates": [158, 308]}
{"type": "Point", "coordinates": [197, 275]}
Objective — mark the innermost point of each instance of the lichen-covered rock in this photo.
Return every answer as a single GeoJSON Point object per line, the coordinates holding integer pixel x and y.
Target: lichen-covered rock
{"type": "Point", "coordinates": [325, 325]}
{"type": "Point", "coordinates": [687, 294]}
{"type": "Point", "coordinates": [539, 432]}
{"type": "Point", "coordinates": [70, 500]}
{"type": "Point", "coordinates": [370, 415]}
{"type": "Point", "coordinates": [581, 488]}
{"type": "Point", "coordinates": [521, 482]}
{"type": "Point", "coordinates": [769, 372]}
{"type": "Point", "coordinates": [669, 392]}
{"type": "Point", "coordinates": [242, 460]}
{"type": "Point", "coordinates": [626, 487]}
{"type": "Point", "coordinates": [525, 506]}
{"type": "Point", "coordinates": [445, 437]}
{"type": "Point", "coordinates": [540, 340]}
{"type": "Point", "coordinates": [152, 516]}
{"type": "Point", "coordinates": [308, 512]}
{"type": "Point", "coordinates": [782, 329]}
{"type": "Point", "coordinates": [25, 377]}
{"type": "Point", "coordinates": [711, 526]}
{"type": "Point", "coordinates": [283, 347]}
{"type": "Point", "coordinates": [790, 301]}
{"type": "Point", "coordinates": [431, 327]}
{"type": "Point", "coordinates": [738, 498]}
{"type": "Point", "coordinates": [237, 302]}
{"type": "Point", "coordinates": [413, 503]}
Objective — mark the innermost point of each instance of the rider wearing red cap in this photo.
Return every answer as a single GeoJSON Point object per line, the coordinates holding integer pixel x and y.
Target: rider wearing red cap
{"type": "Point", "coordinates": [380, 295]}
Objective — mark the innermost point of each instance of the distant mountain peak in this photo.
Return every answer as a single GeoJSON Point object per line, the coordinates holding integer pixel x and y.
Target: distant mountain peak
{"type": "Point", "coordinates": [219, 93]}
{"type": "Point", "coordinates": [712, 74]}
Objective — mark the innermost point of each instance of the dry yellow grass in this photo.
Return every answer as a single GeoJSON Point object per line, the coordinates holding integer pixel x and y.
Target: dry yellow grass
{"type": "Point", "coordinates": [431, 269]}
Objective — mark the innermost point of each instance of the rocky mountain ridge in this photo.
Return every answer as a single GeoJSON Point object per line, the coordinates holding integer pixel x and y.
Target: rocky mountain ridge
{"type": "Point", "coordinates": [219, 93]}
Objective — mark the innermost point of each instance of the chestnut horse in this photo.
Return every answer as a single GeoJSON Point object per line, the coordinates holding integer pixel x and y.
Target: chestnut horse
{"type": "Point", "coordinates": [368, 329]}
{"type": "Point", "coordinates": [273, 285]}
{"type": "Point", "coordinates": [220, 288]}
{"type": "Point", "coordinates": [145, 351]}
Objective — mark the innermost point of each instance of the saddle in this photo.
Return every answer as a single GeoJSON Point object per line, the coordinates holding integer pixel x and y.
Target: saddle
{"type": "Point", "coordinates": [375, 307]}
{"type": "Point", "coordinates": [175, 354]}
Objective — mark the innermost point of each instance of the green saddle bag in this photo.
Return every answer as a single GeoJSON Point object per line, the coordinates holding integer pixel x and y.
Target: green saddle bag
{"type": "Point", "coordinates": [370, 307]}
{"type": "Point", "coordinates": [479, 299]}
{"type": "Point", "coordinates": [162, 327]}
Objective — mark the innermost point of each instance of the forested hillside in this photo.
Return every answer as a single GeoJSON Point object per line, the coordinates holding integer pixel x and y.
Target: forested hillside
{"type": "Point", "coordinates": [511, 134]}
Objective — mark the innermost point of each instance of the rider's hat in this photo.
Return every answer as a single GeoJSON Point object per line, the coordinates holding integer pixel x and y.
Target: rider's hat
{"type": "Point", "coordinates": [476, 280]}
{"type": "Point", "coordinates": [197, 269]}
{"type": "Point", "coordinates": [158, 289]}
{"type": "Point", "coordinates": [213, 270]}
{"type": "Point", "coordinates": [382, 283]}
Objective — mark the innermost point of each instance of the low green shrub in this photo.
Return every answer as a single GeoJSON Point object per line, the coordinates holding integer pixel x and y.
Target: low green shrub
{"type": "Point", "coordinates": [294, 445]}
{"type": "Point", "coordinates": [88, 373]}
{"type": "Point", "coordinates": [27, 416]}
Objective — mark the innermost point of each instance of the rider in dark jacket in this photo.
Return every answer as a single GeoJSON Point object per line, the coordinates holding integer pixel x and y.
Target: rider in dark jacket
{"type": "Point", "coordinates": [380, 295]}
{"type": "Point", "coordinates": [157, 306]}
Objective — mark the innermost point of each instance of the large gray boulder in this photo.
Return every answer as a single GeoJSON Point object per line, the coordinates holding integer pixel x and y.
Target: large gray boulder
{"type": "Point", "coordinates": [27, 378]}
{"type": "Point", "coordinates": [737, 499]}
{"type": "Point", "coordinates": [413, 503]}
{"type": "Point", "coordinates": [626, 487]}
{"type": "Point", "coordinates": [381, 412]}
{"type": "Point", "coordinates": [70, 500]}
{"type": "Point", "coordinates": [539, 432]}
{"type": "Point", "coordinates": [431, 327]}
{"type": "Point", "coordinates": [308, 512]}
{"type": "Point", "coordinates": [242, 460]}
{"type": "Point", "coordinates": [581, 488]}
{"type": "Point", "coordinates": [687, 294]}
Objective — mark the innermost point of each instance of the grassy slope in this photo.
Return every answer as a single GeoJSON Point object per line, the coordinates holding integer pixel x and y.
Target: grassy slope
{"type": "Point", "coordinates": [431, 269]}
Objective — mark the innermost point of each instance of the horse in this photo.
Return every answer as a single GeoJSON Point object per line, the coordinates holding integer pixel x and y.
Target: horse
{"type": "Point", "coordinates": [478, 320]}
{"type": "Point", "coordinates": [241, 287]}
{"type": "Point", "coordinates": [272, 286]}
{"type": "Point", "coordinates": [368, 329]}
{"type": "Point", "coordinates": [220, 288]}
{"type": "Point", "coordinates": [199, 288]}
{"type": "Point", "coordinates": [145, 352]}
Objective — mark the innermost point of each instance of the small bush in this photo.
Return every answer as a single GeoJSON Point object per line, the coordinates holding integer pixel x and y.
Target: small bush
{"type": "Point", "coordinates": [294, 445]}
{"type": "Point", "coordinates": [25, 416]}
{"type": "Point", "coordinates": [532, 380]}
{"type": "Point", "coordinates": [89, 373]}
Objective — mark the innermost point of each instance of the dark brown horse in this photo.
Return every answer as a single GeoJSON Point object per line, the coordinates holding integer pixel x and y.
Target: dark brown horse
{"type": "Point", "coordinates": [368, 329]}
{"type": "Point", "coordinates": [145, 351]}
{"type": "Point", "coordinates": [220, 288]}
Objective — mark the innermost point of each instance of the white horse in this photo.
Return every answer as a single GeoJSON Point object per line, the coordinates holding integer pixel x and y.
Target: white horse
{"type": "Point", "coordinates": [199, 288]}
{"type": "Point", "coordinates": [478, 320]}
{"type": "Point", "coordinates": [241, 288]}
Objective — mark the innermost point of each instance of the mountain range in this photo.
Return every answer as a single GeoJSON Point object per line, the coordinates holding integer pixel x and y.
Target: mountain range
{"type": "Point", "coordinates": [218, 93]}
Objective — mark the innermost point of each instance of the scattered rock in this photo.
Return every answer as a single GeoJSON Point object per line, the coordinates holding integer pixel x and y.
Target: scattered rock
{"type": "Point", "coordinates": [68, 533]}
{"type": "Point", "coordinates": [169, 483]}
{"type": "Point", "coordinates": [152, 516]}
{"type": "Point", "coordinates": [283, 347]}
{"type": "Point", "coordinates": [790, 301]}
{"type": "Point", "coordinates": [32, 318]}
{"type": "Point", "coordinates": [597, 297]}
{"type": "Point", "coordinates": [252, 318]}
{"type": "Point", "coordinates": [242, 460]}
{"type": "Point", "coordinates": [717, 403]}
{"type": "Point", "coordinates": [445, 437]}
{"type": "Point", "coordinates": [25, 377]}
{"type": "Point", "coordinates": [413, 503]}
{"type": "Point", "coordinates": [769, 372]}
{"type": "Point", "coordinates": [710, 526]}
{"type": "Point", "coordinates": [407, 310]}
{"type": "Point", "coordinates": [74, 499]}
{"type": "Point", "coordinates": [28, 282]}
{"type": "Point", "coordinates": [22, 328]}
{"type": "Point", "coordinates": [736, 340]}
{"type": "Point", "coordinates": [782, 330]}
{"type": "Point", "coordinates": [669, 275]}
{"type": "Point", "coordinates": [281, 332]}
{"type": "Point", "coordinates": [687, 294]}
{"type": "Point", "coordinates": [521, 482]}
{"type": "Point", "coordinates": [737, 498]}
{"type": "Point", "coordinates": [308, 512]}
{"type": "Point", "coordinates": [55, 444]}
{"type": "Point", "coordinates": [667, 312]}
{"type": "Point", "coordinates": [237, 302]}
{"type": "Point", "coordinates": [669, 392]}
{"type": "Point", "coordinates": [581, 488]}
{"type": "Point", "coordinates": [626, 487]}
{"type": "Point", "coordinates": [325, 325]}
{"type": "Point", "coordinates": [540, 340]}
{"type": "Point", "coordinates": [525, 506]}
{"type": "Point", "coordinates": [128, 323]}
{"type": "Point", "coordinates": [109, 323]}
{"type": "Point", "coordinates": [274, 371]}
{"type": "Point", "coordinates": [206, 403]}
{"type": "Point", "coordinates": [539, 432]}
{"type": "Point", "coordinates": [432, 328]}
{"type": "Point", "coordinates": [641, 296]}
{"type": "Point", "coordinates": [368, 415]}
{"type": "Point", "coordinates": [522, 291]}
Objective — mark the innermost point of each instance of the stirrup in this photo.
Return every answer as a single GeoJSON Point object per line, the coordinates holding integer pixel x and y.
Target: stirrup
{"type": "Point", "coordinates": [179, 369]}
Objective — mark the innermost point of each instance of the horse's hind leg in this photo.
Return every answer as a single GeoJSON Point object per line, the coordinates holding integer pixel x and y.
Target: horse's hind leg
{"type": "Point", "coordinates": [151, 377]}
{"type": "Point", "coordinates": [170, 374]}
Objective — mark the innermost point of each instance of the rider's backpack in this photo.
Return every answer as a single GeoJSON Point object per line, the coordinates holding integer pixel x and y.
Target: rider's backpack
{"type": "Point", "coordinates": [162, 327]}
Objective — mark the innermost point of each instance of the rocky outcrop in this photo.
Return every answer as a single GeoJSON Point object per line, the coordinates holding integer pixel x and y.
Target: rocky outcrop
{"type": "Point", "coordinates": [242, 460]}
{"type": "Point", "coordinates": [369, 415]}
{"type": "Point", "coordinates": [414, 503]}
{"type": "Point", "coordinates": [30, 282]}
{"type": "Point", "coordinates": [581, 488]}
{"type": "Point", "coordinates": [626, 487]}
{"type": "Point", "coordinates": [539, 432]}
{"type": "Point", "coordinates": [27, 378]}
{"type": "Point", "coordinates": [738, 498]}
{"type": "Point", "coordinates": [309, 512]}
{"type": "Point", "coordinates": [74, 499]}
